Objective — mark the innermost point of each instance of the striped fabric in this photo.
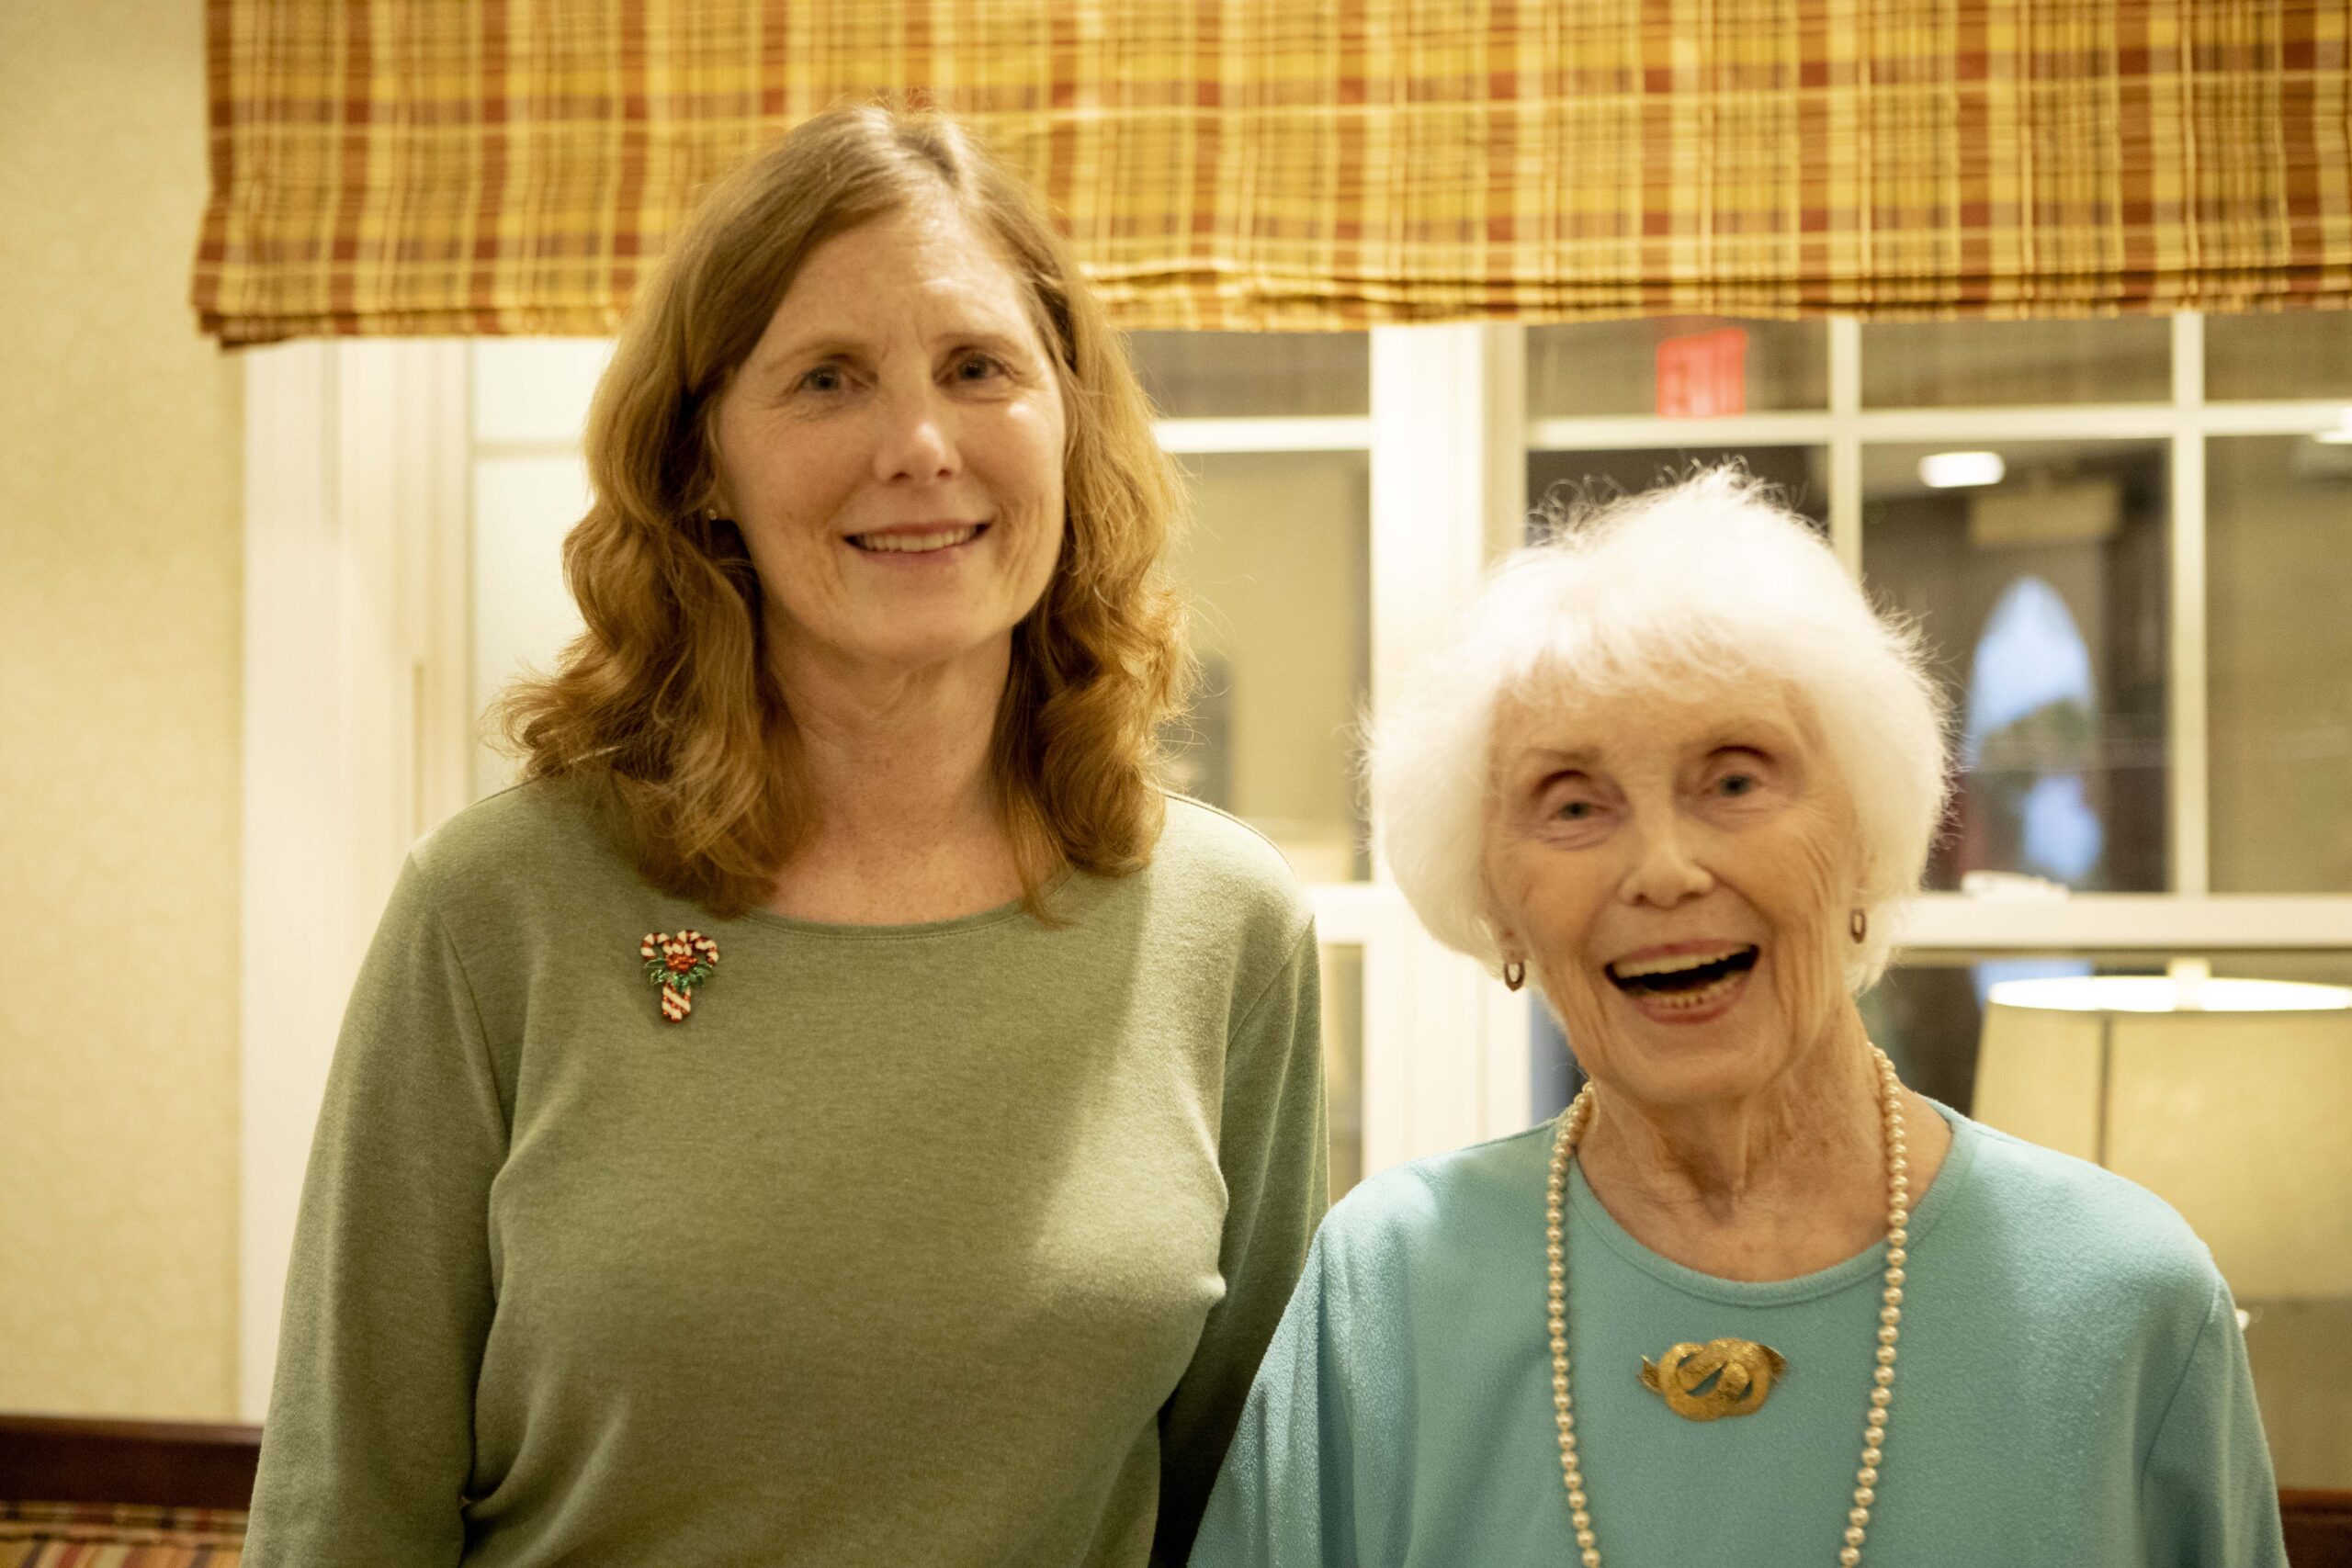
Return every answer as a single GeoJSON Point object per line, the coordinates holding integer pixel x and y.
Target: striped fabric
{"type": "Point", "coordinates": [107, 1535]}
{"type": "Point", "coordinates": [484, 167]}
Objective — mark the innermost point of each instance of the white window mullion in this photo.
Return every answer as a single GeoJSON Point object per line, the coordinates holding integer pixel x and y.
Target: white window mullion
{"type": "Point", "coordinates": [1277, 433]}
{"type": "Point", "coordinates": [1598, 432]}
{"type": "Point", "coordinates": [1445, 1061]}
{"type": "Point", "coordinates": [2155, 923]}
{"type": "Point", "coordinates": [2302, 418]}
{"type": "Point", "coordinates": [1846, 441]}
{"type": "Point", "coordinates": [2187, 773]}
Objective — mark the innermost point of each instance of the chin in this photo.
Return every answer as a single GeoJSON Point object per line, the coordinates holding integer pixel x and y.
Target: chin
{"type": "Point", "coordinates": [1726, 1057]}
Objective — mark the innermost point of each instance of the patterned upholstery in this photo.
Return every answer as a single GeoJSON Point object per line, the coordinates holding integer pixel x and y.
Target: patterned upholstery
{"type": "Point", "coordinates": [110, 1535]}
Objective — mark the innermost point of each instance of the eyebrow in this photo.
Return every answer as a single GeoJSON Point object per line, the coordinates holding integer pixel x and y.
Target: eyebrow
{"type": "Point", "coordinates": [1746, 734]}
{"type": "Point", "coordinates": [1750, 735]}
{"type": "Point", "coordinates": [796, 350]}
{"type": "Point", "coordinates": [1553, 756]}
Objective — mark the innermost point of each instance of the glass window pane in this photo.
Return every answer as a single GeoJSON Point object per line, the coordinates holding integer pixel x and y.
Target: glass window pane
{"type": "Point", "coordinates": [535, 389]}
{"type": "Point", "coordinates": [2278, 584]}
{"type": "Point", "coordinates": [1278, 567]}
{"type": "Point", "coordinates": [2123, 359]}
{"type": "Point", "coordinates": [1343, 975]}
{"type": "Point", "coordinates": [2293, 353]}
{"type": "Point", "coordinates": [1925, 1013]}
{"type": "Point", "coordinates": [1563, 479]}
{"type": "Point", "coordinates": [523, 614]}
{"type": "Point", "coordinates": [1247, 375]}
{"type": "Point", "coordinates": [2042, 597]}
{"type": "Point", "coordinates": [1656, 364]}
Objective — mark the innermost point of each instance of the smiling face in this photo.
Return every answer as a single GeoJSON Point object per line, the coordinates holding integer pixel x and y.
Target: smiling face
{"type": "Point", "coordinates": [891, 450]}
{"type": "Point", "coordinates": [1675, 872]}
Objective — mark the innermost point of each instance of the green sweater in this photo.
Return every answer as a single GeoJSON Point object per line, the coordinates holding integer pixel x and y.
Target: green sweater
{"type": "Point", "coordinates": [2070, 1392]}
{"type": "Point", "coordinates": [954, 1243]}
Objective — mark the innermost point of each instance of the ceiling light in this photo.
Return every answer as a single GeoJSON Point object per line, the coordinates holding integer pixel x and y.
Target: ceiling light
{"type": "Point", "coordinates": [1955, 470]}
{"type": "Point", "coordinates": [2340, 436]}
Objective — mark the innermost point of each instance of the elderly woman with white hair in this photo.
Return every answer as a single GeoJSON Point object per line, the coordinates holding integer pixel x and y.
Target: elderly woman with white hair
{"type": "Point", "coordinates": [1748, 1299]}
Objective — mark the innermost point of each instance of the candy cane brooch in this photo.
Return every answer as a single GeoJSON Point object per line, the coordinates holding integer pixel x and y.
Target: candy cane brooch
{"type": "Point", "coordinates": [677, 964]}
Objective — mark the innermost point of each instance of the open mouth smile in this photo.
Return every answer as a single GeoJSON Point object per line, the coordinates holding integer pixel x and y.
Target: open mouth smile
{"type": "Point", "coordinates": [928, 541]}
{"type": "Point", "coordinates": [1683, 982]}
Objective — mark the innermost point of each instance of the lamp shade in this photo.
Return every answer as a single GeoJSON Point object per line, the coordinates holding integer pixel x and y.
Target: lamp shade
{"type": "Point", "coordinates": [2230, 1100]}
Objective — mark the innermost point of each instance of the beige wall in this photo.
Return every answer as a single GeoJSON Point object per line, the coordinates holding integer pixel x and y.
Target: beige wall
{"type": "Point", "coordinates": [119, 570]}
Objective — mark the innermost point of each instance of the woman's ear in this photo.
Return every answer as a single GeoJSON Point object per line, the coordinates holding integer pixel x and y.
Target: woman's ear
{"type": "Point", "coordinates": [716, 503]}
{"type": "Point", "coordinates": [1508, 948]}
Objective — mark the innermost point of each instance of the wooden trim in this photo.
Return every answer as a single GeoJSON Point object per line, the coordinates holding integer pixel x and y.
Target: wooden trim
{"type": "Point", "coordinates": [2319, 1526]}
{"type": "Point", "coordinates": [46, 1459]}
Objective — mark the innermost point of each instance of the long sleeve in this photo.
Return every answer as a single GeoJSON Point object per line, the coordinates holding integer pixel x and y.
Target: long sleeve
{"type": "Point", "coordinates": [368, 1446]}
{"type": "Point", "coordinates": [1286, 1496]}
{"type": "Point", "coordinates": [1272, 1151]}
{"type": "Point", "coordinates": [2208, 1496]}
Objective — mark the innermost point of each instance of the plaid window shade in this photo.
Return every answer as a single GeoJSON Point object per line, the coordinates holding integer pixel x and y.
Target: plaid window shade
{"type": "Point", "coordinates": [502, 166]}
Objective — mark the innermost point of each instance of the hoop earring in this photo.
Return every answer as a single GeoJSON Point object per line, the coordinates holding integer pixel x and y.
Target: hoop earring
{"type": "Point", "coordinates": [1514, 975]}
{"type": "Point", "coordinates": [1857, 924]}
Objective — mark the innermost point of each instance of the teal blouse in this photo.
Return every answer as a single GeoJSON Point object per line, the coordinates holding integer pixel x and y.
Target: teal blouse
{"type": "Point", "coordinates": [2073, 1387]}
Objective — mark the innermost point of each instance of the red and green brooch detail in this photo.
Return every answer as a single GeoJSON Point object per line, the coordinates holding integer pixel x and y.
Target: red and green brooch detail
{"type": "Point", "coordinates": [677, 964]}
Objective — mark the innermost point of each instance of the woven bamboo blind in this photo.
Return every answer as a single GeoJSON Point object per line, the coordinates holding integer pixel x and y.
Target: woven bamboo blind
{"type": "Point", "coordinates": [496, 166]}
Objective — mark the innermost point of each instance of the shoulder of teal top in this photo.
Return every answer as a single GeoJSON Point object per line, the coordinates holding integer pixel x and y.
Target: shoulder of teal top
{"type": "Point", "coordinates": [2092, 1229]}
{"type": "Point", "coordinates": [1405, 1215]}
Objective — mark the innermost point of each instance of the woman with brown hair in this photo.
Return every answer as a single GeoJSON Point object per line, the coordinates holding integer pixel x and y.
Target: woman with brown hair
{"type": "Point", "coordinates": [837, 1108]}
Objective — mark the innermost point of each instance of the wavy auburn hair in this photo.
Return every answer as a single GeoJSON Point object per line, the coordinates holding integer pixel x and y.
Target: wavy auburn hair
{"type": "Point", "coordinates": [667, 701]}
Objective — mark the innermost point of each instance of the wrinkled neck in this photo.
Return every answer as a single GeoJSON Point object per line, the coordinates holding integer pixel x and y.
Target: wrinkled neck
{"type": "Point", "coordinates": [1807, 1140]}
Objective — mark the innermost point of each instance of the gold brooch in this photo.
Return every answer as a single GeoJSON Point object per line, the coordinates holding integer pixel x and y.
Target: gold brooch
{"type": "Point", "coordinates": [1743, 1370]}
{"type": "Point", "coordinates": [677, 964]}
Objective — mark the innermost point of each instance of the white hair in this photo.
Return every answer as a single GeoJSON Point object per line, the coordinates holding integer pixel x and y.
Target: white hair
{"type": "Point", "coordinates": [1707, 579]}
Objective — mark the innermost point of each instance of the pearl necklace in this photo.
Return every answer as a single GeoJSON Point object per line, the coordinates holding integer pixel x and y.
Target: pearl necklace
{"type": "Point", "coordinates": [1573, 1122]}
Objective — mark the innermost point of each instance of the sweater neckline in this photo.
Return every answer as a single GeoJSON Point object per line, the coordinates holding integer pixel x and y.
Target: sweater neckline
{"type": "Point", "coordinates": [1593, 1218]}
{"type": "Point", "coordinates": [1069, 893]}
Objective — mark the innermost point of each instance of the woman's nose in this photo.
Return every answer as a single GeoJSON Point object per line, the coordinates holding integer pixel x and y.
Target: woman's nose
{"type": "Point", "coordinates": [1665, 871]}
{"type": "Point", "coordinates": [917, 440]}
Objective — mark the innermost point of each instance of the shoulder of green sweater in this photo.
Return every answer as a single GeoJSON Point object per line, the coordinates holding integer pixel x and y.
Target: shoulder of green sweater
{"type": "Point", "coordinates": [2081, 1227]}
{"type": "Point", "coordinates": [519, 853]}
{"type": "Point", "coordinates": [1221, 861]}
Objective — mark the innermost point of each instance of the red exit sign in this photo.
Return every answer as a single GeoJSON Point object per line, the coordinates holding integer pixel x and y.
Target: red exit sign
{"type": "Point", "coordinates": [1703, 375]}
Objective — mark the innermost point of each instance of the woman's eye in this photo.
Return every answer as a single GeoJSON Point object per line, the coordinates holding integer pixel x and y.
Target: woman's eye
{"type": "Point", "coordinates": [977, 367]}
{"type": "Point", "coordinates": [1736, 784]}
{"type": "Point", "coordinates": [1577, 811]}
{"type": "Point", "coordinates": [825, 378]}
